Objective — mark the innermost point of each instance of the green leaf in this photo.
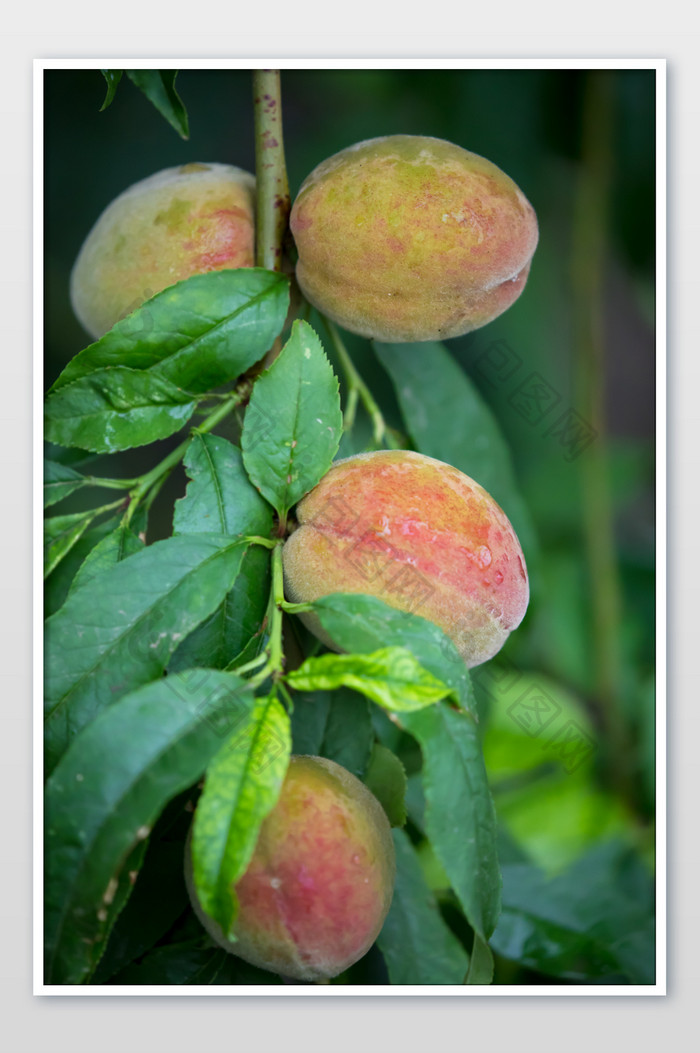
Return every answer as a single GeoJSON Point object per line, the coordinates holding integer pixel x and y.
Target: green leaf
{"type": "Point", "coordinates": [391, 677]}
{"type": "Point", "coordinates": [460, 820]}
{"type": "Point", "coordinates": [112, 76]}
{"type": "Point", "coordinates": [236, 623]}
{"type": "Point", "coordinates": [119, 630]}
{"type": "Point", "coordinates": [336, 725]}
{"type": "Point", "coordinates": [112, 549]}
{"type": "Point", "coordinates": [116, 409]}
{"type": "Point", "coordinates": [189, 963]}
{"type": "Point", "coordinates": [220, 498]}
{"type": "Point", "coordinates": [449, 420]}
{"type": "Point", "coordinates": [59, 482]}
{"type": "Point", "coordinates": [159, 898]}
{"type": "Point", "coordinates": [593, 921]}
{"type": "Point", "coordinates": [158, 85]}
{"type": "Point", "coordinates": [58, 583]}
{"type": "Point", "coordinates": [242, 785]}
{"type": "Point", "coordinates": [364, 623]}
{"type": "Point", "coordinates": [293, 423]}
{"type": "Point", "coordinates": [417, 945]}
{"type": "Point", "coordinates": [480, 963]}
{"type": "Point", "coordinates": [386, 778]}
{"type": "Point", "coordinates": [60, 535]}
{"type": "Point", "coordinates": [107, 792]}
{"type": "Point", "coordinates": [198, 334]}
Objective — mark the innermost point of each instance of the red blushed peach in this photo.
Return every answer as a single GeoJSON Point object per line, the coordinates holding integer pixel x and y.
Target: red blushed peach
{"type": "Point", "coordinates": [418, 534]}
{"type": "Point", "coordinates": [178, 222]}
{"type": "Point", "coordinates": [410, 238]}
{"type": "Point", "coordinates": [321, 879]}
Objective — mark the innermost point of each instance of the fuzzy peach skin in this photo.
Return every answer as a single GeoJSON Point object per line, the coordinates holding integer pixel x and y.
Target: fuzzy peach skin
{"type": "Point", "coordinates": [409, 238]}
{"type": "Point", "coordinates": [321, 880]}
{"type": "Point", "coordinates": [418, 534]}
{"type": "Point", "coordinates": [178, 222]}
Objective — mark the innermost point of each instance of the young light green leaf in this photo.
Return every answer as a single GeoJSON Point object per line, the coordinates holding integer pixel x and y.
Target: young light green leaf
{"type": "Point", "coordinates": [386, 778]}
{"type": "Point", "coordinates": [364, 623]}
{"type": "Point", "coordinates": [119, 630]}
{"type": "Point", "coordinates": [235, 624]}
{"type": "Point", "coordinates": [448, 419]}
{"type": "Point", "coordinates": [112, 549]}
{"type": "Point", "coordinates": [198, 334]}
{"type": "Point", "coordinates": [158, 85]}
{"type": "Point", "coordinates": [242, 785]}
{"type": "Point", "coordinates": [460, 819]}
{"type": "Point", "coordinates": [391, 677]}
{"type": "Point", "coordinates": [112, 76]}
{"type": "Point", "coordinates": [61, 533]}
{"type": "Point", "coordinates": [293, 423]}
{"type": "Point", "coordinates": [220, 499]}
{"type": "Point", "coordinates": [115, 409]}
{"type": "Point", "coordinates": [417, 945]}
{"type": "Point", "coordinates": [60, 481]}
{"type": "Point", "coordinates": [107, 792]}
{"type": "Point", "coordinates": [336, 725]}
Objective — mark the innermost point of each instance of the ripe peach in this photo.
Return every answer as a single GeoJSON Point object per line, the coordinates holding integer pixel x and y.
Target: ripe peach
{"type": "Point", "coordinates": [418, 534]}
{"type": "Point", "coordinates": [178, 222]}
{"type": "Point", "coordinates": [409, 238]}
{"type": "Point", "coordinates": [320, 883]}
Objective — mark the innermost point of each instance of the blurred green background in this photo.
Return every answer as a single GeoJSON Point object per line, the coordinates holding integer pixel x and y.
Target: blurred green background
{"type": "Point", "coordinates": [568, 372]}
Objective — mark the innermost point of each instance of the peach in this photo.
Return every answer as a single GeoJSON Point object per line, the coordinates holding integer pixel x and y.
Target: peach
{"type": "Point", "coordinates": [410, 238]}
{"type": "Point", "coordinates": [178, 222]}
{"type": "Point", "coordinates": [321, 879]}
{"type": "Point", "coordinates": [418, 534]}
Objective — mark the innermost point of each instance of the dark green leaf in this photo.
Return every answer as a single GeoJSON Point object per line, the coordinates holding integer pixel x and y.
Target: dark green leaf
{"type": "Point", "coordinates": [112, 549]}
{"type": "Point", "coordinates": [417, 945]}
{"type": "Point", "coordinates": [60, 535]}
{"type": "Point", "coordinates": [593, 921]}
{"type": "Point", "coordinates": [293, 423]}
{"type": "Point", "coordinates": [59, 582]}
{"type": "Point", "coordinates": [459, 819]}
{"type": "Point", "coordinates": [336, 725]}
{"type": "Point", "coordinates": [386, 778]}
{"type": "Point", "coordinates": [107, 792]}
{"type": "Point", "coordinates": [235, 626]}
{"type": "Point", "coordinates": [59, 482]}
{"type": "Point", "coordinates": [198, 334]}
{"type": "Point", "coordinates": [364, 623]}
{"type": "Point", "coordinates": [449, 420]}
{"type": "Point", "coordinates": [242, 785]}
{"type": "Point", "coordinates": [158, 85]}
{"type": "Point", "coordinates": [391, 677]}
{"type": "Point", "coordinates": [159, 898]}
{"type": "Point", "coordinates": [119, 630]}
{"type": "Point", "coordinates": [112, 76]}
{"type": "Point", "coordinates": [190, 963]}
{"type": "Point", "coordinates": [220, 499]}
{"type": "Point", "coordinates": [115, 409]}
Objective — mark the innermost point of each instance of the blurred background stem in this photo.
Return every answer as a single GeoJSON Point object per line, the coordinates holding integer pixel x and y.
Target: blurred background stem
{"type": "Point", "coordinates": [589, 255]}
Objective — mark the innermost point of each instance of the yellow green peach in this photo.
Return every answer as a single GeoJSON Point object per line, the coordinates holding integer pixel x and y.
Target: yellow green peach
{"type": "Point", "coordinates": [411, 238]}
{"type": "Point", "coordinates": [176, 223]}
